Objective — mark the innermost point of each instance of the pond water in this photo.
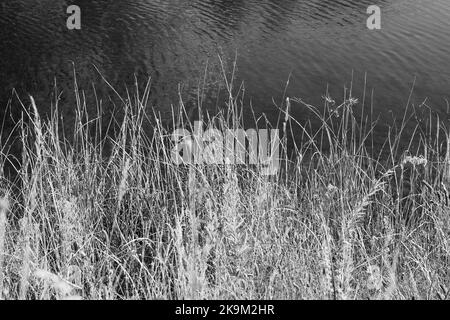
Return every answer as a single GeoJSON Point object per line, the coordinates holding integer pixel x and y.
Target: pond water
{"type": "Point", "coordinates": [314, 43]}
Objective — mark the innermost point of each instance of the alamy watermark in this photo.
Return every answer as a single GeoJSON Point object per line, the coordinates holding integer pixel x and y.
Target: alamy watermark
{"type": "Point", "coordinates": [74, 20]}
{"type": "Point", "coordinates": [228, 147]}
{"type": "Point", "coordinates": [374, 20]}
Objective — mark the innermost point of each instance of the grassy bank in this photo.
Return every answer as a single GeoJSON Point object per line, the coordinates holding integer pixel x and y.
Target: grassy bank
{"type": "Point", "coordinates": [84, 222]}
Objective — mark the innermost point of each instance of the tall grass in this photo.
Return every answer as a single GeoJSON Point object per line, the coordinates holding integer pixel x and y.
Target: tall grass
{"type": "Point", "coordinates": [88, 221]}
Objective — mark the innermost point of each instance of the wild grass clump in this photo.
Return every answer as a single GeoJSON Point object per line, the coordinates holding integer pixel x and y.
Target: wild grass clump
{"type": "Point", "coordinates": [95, 217]}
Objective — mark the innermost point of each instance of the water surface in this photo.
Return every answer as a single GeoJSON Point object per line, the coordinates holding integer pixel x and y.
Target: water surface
{"type": "Point", "coordinates": [317, 44]}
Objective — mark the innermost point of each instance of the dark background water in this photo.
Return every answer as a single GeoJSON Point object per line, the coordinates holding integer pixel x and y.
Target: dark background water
{"type": "Point", "coordinates": [319, 43]}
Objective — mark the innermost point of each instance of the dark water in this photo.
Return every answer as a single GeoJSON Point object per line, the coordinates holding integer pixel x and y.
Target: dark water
{"type": "Point", "coordinates": [319, 43]}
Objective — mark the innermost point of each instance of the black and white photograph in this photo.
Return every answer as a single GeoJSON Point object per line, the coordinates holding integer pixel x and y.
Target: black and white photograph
{"type": "Point", "coordinates": [224, 150]}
